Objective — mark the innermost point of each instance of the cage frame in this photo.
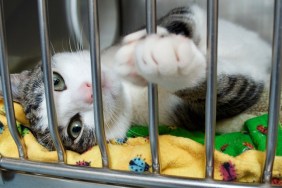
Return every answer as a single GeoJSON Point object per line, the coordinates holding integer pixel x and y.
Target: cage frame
{"type": "Point", "coordinates": [105, 175]}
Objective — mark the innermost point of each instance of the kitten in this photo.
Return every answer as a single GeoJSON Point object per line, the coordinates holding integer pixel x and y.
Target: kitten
{"type": "Point", "coordinates": [174, 58]}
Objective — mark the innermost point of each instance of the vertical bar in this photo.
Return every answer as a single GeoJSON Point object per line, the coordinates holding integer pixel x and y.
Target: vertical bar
{"type": "Point", "coordinates": [1, 178]}
{"type": "Point", "coordinates": [6, 87]}
{"type": "Point", "coordinates": [153, 93]}
{"type": "Point", "coordinates": [275, 93]}
{"type": "Point", "coordinates": [96, 75]}
{"type": "Point", "coordinates": [210, 118]}
{"type": "Point", "coordinates": [48, 80]}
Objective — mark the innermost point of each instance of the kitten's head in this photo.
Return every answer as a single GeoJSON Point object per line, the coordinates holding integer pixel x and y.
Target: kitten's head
{"type": "Point", "coordinates": [73, 100]}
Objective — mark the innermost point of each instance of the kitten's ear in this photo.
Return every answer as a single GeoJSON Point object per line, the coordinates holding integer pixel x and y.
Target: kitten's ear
{"type": "Point", "coordinates": [16, 80]}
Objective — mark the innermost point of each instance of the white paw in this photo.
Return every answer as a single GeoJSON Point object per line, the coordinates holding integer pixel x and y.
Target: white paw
{"type": "Point", "coordinates": [125, 58]}
{"type": "Point", "coordinates": [172, 61]}
{"type": "Point", "coordinates": [125, 64]}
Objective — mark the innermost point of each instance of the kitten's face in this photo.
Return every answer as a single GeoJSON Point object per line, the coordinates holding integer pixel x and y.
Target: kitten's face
{"type": "Point", "coordinates": [74, 102]}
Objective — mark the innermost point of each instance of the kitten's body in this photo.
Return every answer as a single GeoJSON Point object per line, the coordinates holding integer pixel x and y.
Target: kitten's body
{"type": "Point", "coordinates": [177, 63]}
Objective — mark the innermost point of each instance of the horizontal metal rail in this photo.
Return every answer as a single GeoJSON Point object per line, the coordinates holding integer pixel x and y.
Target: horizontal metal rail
{"type": "Point", "coordinates": [106, 175]}
{"type": "Point", "coordinates": [114, 177]}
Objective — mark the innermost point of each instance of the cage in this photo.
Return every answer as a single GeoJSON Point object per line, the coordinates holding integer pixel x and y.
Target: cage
{"type": "Point", "coordinates": [37, 24]}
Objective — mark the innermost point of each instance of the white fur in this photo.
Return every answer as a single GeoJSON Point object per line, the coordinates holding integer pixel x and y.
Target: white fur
{"type": "Point", "coordinates": [172, 61]}
{"type": "Point", "coordinates": [75, 68]}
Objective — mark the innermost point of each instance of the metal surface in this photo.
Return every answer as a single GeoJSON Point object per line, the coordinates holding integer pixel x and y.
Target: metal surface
{"type": "Point", "coordinates": [1, 178]}
{"type": "Point", "coordinates": [6, 89]}
{"type": "Point", "coordinates": [77, 19]}
{"type": "Point", "coordinates": [275, 93]}
{"type": "Point", "coordinates": [114, 177]}
{"type": "Point", "coordinates": [153, 93]}
{"type": "Point", "coordinates": [15, 179]}
{"type": "Point", "coordinates": [96, 80]}
{"type": "Point", "coordinates": [48, 81]}
{"type": "Point", "coordinates": [210, 121]}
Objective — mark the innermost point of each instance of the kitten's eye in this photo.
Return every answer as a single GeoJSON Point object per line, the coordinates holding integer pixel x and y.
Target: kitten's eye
{"type": "Point", "coordinates": [59, 83]}
{"type": "Point", "coordinates": [74, 128]}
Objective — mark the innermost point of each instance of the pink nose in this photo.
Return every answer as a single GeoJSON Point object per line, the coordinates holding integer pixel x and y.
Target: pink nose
{"type": "Point", "coordinates": [87, 92]}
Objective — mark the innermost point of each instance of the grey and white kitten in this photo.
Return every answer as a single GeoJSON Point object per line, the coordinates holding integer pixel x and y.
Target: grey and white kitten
{"type": "Point", "coordinates": [174, 58]}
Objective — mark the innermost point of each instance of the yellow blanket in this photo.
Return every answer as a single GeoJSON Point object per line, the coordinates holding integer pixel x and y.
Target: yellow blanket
{"type": "Point", "coordinates": [179, 156]}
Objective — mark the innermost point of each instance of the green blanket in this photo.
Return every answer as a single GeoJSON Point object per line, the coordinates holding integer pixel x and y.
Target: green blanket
{"type": "Point", "coordinates": [252, 137]}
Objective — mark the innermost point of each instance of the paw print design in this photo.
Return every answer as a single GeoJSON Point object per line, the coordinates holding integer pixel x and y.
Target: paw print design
{"type": "Point", "coordinates": [262, 129]}
{"type": "Point", "coordinates": [83, 163]}
{"type": "Point", "coordinates": [138, 164]}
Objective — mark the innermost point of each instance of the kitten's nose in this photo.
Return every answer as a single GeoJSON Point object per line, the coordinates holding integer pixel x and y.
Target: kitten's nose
{"type": "Point", "coordinates": [87, 86]}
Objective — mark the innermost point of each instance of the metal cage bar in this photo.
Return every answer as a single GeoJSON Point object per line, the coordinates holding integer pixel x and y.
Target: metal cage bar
{"type": "Point", "coordinates": [6, 87]}
{"type": "Point", "coordinates": [116, 177]}
{"type": "Point", "coordinates": [126, 178]}
{"type": "Point", "coordinates": [151, 28]}
{"type": "Point", "coordinates": [275, 93]}
{"type": "Point", "coordinates": [48, 81]}
{"type": "Point", "coordinates": [94, 41]}
{"type": "Point", "coordinates": [210, 121]}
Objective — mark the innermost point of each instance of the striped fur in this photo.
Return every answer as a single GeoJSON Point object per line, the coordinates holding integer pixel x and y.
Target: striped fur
{"type": "Point", "coordinates": [235, 94]}
{"type": "Point", "coordinates": [243, 66]}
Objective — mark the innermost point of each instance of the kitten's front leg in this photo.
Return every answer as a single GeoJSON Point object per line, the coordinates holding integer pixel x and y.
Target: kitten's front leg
{"type": "Point", "coordinates": [172, 61]}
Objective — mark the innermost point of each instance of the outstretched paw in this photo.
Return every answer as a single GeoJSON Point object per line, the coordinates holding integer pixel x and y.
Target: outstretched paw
{"type": "Point", "coordinates": [125, 58]}
{"type": "Point", "coordinates": [125, 64]}
{"type": "Point", "coordinates": [172, 61]}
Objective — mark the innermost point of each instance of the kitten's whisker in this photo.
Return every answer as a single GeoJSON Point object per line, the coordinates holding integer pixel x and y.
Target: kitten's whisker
{"type": "Point", "coordinates": [108, 127]}
{"type": "Point", "coordinates": [135, 133]}
{"type": "Point", "coordinates": [81, 38]}
{"type": "Point", "coordinates": [94, 138]}
{"type": "Point", "coordinates": [53, 49]}
{"type": "Point", "coordinates": [70, 45]}
{"type": "Point", "coordinates": [63, 45]}
{"type": "Point", "coordinates": [49, 143]}
{"type": "Point", "coordinates": [76, 44]}
{"type": "Point", "coordinates": [114, 118]}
